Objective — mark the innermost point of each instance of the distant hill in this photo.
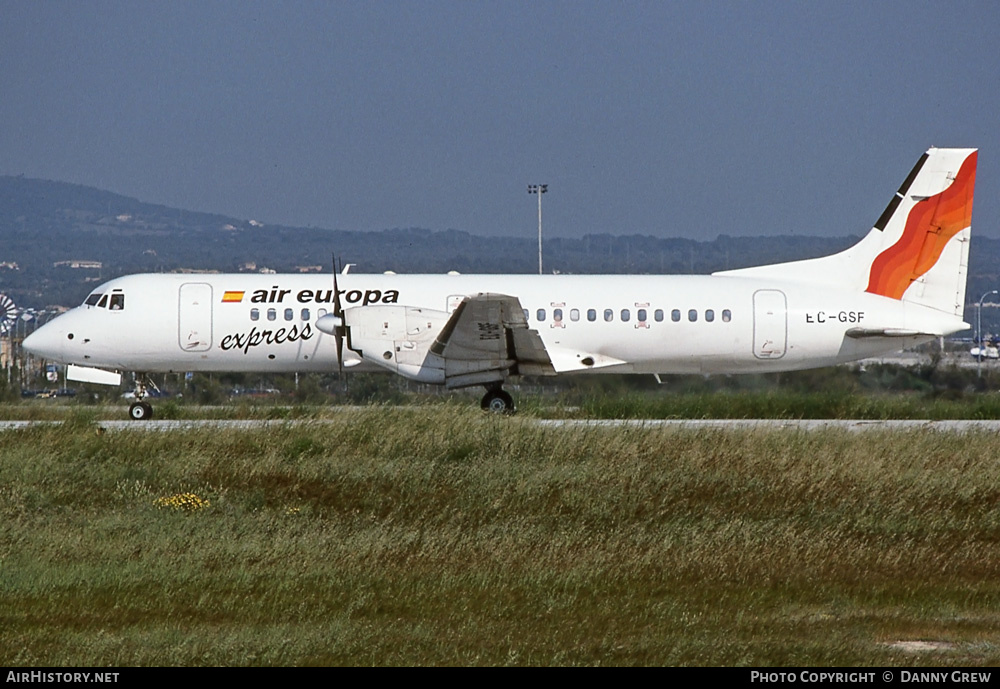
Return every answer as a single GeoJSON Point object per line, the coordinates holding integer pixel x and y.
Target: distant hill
{"type": "Point", "coordinates": [43, 223]}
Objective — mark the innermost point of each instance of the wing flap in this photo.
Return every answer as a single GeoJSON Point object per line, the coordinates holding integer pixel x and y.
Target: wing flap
{"type": "Point", "coordinates": [567, 360]}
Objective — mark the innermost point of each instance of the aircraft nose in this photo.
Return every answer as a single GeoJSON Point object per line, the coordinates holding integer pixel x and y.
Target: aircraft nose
{"type": "Point", "coordinates": [46, 342]}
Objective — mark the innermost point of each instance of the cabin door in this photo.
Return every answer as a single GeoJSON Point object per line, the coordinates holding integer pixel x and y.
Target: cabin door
{"type": "Point", "coordinates": [194, 317]}
{"type": "Point", "coordinates": [770, 324]}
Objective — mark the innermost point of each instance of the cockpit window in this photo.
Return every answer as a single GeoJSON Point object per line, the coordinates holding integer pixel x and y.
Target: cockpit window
{"type": "Point", "coordinates": [102, 301]}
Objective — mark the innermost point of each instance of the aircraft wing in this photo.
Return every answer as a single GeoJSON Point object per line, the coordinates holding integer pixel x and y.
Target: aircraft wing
{"type": "Point", "coordinates": [492, 327]}
{"type": "Point", "coordinates": [482, 342]}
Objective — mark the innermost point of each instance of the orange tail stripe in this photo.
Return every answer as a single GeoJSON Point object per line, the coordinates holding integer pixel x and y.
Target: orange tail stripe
{"type": "Point", "coordinates": [929, 227]}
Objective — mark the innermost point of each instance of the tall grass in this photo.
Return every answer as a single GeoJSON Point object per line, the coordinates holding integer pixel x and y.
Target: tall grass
{"type": "Point", "coordinates": [442, 536]}
{"type": "Point", "coordinates": [785, 404]}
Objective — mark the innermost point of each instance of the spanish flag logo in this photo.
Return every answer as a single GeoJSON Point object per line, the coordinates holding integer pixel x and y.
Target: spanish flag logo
{"type": "Point", "coordinates": [232, 296]}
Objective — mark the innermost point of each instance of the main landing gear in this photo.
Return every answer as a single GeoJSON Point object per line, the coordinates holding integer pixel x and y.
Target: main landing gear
{"type": "Point", "coordinates": [140, 410]}
{"type": "Point", "coordinates": [498, 401]}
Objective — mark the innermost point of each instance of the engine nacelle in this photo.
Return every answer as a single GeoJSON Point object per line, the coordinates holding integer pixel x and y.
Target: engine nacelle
{"type": "Point", "coordinates": [398, 338]}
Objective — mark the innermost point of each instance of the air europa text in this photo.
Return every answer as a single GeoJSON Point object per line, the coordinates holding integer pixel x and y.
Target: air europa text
{"type": "Point", "coordinates": [276, 295]}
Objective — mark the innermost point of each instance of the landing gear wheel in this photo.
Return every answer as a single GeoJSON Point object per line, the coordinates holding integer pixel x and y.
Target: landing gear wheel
{"type": "Point", "coordinates": [498, 402]}
{"type": "Point", "coordinates": [140, 411]}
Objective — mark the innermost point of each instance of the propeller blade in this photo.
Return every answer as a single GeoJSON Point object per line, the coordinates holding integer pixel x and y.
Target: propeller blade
{"type": "Point", "coordinates": [338, 312]}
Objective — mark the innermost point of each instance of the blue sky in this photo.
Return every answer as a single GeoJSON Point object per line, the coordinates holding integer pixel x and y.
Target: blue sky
{"type": "Point", "coordinates": [678, 119]}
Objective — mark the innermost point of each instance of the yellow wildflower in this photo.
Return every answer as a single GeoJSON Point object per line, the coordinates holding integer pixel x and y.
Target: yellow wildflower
{"type": "Point", "coordinates": [182, 501]}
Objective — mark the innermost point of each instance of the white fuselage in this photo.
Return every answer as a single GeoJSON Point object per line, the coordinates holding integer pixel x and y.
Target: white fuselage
{"type": "Point", "coordinates": [626, 324]}
{"type": "Point", "coordinates": [900, 285]}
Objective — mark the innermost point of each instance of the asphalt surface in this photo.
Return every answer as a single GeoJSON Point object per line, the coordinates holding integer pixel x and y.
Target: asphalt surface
{"type": "Point", "coordinates": [854, 425]}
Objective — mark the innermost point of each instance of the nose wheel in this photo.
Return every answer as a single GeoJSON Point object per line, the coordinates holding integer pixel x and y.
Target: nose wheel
{"type": "Point", "coordinates": [140, 411]}
{"type": "Point", "coordinates": [497, 401]}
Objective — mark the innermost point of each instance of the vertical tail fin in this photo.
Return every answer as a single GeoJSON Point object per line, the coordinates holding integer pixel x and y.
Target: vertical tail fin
{"type": "Point", "coordinates": [926, 231]}
{"type": "Point", "coordinates": [918, 250]}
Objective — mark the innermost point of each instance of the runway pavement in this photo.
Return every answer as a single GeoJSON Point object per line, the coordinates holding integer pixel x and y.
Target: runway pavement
{"type": "Point", "coordinates": [951, 425]}
{"type": "Point", "coordinates": [853, 425]}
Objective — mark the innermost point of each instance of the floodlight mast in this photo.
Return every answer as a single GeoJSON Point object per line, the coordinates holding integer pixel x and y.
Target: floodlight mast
{"type": "Point", "coordinates": [539, 189]}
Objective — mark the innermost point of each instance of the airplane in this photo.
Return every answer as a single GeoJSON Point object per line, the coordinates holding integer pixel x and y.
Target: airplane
{"type": "Point", "coordinates": [901, 285]}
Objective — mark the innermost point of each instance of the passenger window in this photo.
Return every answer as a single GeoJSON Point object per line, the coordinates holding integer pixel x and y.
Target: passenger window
{"type": "Point", "coordinates": [255, 314]}
{"type": "Point", "coordinates": [625, 315]}
{"type": "Point", "coordinates": [526, 316]}
{"type": "Point", "coordinates": [103, 303]}
{"type": "Point", "coordinates": [609, 315]}
{"type": "Point", "coordinates": [727, 315]}
{"type": "Point", "coordinates": [658, 315]}
{"type": "Point", "coordinates": [675, 315]}
{"type": "Point", "coordinates": [591, 314]}
{"type": "Point", "coordinates": [271, 314]}
{"type": "Point", "coordinates": [641, 315]}
{"type": "Point", "coordinates": [557, 314]}
{"type": "Point", "coordinates": [117, 302]}
{"type": "Point", "coordinates": [320, 313]}
{"type": "Point", "coordinates": [289, 314]}
{"type": "Point", "coordinates": [93, 299]}
{"type": "Point", "coordinates": [693, 315]}
{"type": "Point", "coordinates": [541, 315]}
{"type": "Point", "coordinates": [574, 314]}
{"type": "Point", "coordinates": [709, 315]}
{"type": "Point", "coordinates": [305, 314]}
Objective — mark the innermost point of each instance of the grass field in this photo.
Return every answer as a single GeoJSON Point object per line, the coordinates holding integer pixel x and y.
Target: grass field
{"type": "Point", "coordinates": [439, 535]}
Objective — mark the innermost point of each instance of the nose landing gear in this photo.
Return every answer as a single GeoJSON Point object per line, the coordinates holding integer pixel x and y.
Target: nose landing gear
{"type": "Point", "coordinates": [140, 410]}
